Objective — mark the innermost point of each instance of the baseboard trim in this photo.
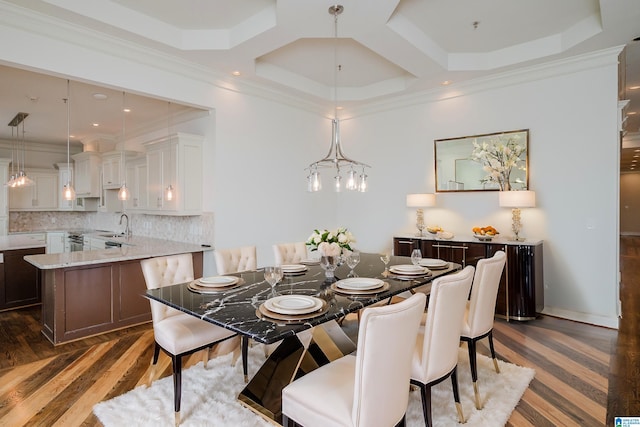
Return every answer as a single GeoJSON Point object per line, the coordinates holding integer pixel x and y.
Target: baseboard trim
{"type": "Point", "coordinates": [592, 319]}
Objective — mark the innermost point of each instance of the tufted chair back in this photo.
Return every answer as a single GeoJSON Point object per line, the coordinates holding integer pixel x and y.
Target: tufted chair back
{"type": "Point", "coordinates": [437, 350]}
{"type": "Point", "coordinates": [482, 304]}
{"type": "Point", "coordinates": [165, 271]}
{"type": "Point", "coordinates": [235, 260]}
{"type": "Point", "coordinates": [289, 253]}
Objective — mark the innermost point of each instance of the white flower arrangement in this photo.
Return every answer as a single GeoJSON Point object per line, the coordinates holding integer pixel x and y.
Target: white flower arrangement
{"type": "Point", "coordinates": [331, 243]}
{"type": "Point", "coordinates": [498, 157]}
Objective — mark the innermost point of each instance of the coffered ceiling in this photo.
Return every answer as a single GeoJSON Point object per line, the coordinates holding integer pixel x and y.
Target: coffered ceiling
{"type": "Point", "coordinates": [385, 48]}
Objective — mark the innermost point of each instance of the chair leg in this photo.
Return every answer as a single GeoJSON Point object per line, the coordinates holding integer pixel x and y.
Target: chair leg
{"type": "Point", "coordinates": [205, 356]}
{"type": "Point", "coordinates": [245, 353]}
{"type": "Point", "coordinates": [177, 386]}
{"type": "Point", "coordinates": [493, 352]}
{"type": "Point", "coordinates": [471, 345]}
{"type": "Point", "coordinates": [456, 394]}
{"type": "Point", "coordinates": [154, 362]}
{"type": "Point", "coordinates": [425, 391]}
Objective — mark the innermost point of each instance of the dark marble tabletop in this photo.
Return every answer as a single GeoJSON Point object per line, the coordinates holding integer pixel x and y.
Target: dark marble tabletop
{"type": "Point", "coordinates": [236, 308]}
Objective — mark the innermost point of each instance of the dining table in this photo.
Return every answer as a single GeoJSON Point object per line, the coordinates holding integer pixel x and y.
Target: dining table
{"type": "Point", "coordinates": [301, 313]}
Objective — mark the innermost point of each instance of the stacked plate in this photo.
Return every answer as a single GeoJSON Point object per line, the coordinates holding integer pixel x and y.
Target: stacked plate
{"type": "Point", "coordinates": [293, 268]}
{"type": "Point", "coordinates": [409, 270]}
{"type": "Point", "coordinates": [213, 284]}
{"type": "Point", "coordinates": [292, 307]}
{"type": "Point", "coordinates": [359, 285]}
{"type": "Point", "coordinates": [310, 261]}
{"type": "Point", "coordinates": [434, 264]}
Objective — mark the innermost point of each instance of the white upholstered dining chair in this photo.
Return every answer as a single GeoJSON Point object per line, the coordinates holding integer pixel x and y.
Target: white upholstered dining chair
{"type": "Point", "coordinates": [370, 388]}
{"type": "Point", "coordinates": [177, 334]}
{"type": "Point", "coordinates": [480, 312]}
{"type": "Point", "coordinates": [289, 253]}
{"type": "Point", "coordinates": [436, 350]}
{"type": "Point", "coordinates": [236, 259]}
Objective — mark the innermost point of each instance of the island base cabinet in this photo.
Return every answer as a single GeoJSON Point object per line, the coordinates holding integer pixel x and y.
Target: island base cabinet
{"type": "Point", "coordinates": [19, 280]}
{"type": "Point", "coordinates": [79, 302]}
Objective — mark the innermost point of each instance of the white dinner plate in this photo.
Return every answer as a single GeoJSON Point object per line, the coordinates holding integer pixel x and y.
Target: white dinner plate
{"type": "Point", "coordinates": [359, 283]}
{"type": "Point", "coordinates": [410, 268]}
{"type": "Point", "coordinates": [310, 261]}
{"type": "Point", "coordinates": [434, 263]}
{"type": "Point", "coordinates": [293, 304]}
{"type": "Point", "coordinates": [293, 268]}
{"type": "Point", "coordinates": [416, 270]}
{"type": "Point", "coordinates": [217, 281]}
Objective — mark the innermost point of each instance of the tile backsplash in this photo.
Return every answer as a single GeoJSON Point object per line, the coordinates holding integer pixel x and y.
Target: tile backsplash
{"type": "Point", "coordinates": [190, 229]}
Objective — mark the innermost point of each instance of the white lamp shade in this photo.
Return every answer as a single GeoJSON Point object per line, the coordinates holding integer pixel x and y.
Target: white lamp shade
{"type": "Point", "coordinates": [422, 200]}
{"type": "Point", "coordinates": [517, 199]}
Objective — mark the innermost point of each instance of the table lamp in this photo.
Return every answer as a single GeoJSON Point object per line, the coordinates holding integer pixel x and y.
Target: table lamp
{"type": "Point", "coordinates": [517, 200]}
{"type": "Point", "coordinates": [420, 200]}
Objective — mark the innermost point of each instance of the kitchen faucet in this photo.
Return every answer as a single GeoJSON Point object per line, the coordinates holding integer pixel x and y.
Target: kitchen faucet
{"type": "Point", "coordinates": [127, 230]}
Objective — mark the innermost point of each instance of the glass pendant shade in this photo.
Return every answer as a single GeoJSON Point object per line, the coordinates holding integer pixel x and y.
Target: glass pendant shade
{"type": "Point", "coordinates": [169, 193]}
{"type": "Point", "coordinates": [123, 193]}
{"type": "Point", "coordinates": [68, 193]}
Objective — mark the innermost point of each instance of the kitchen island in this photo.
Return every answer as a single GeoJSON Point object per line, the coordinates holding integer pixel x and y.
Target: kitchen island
{"type": "Point", "coordinates": [86, 293]}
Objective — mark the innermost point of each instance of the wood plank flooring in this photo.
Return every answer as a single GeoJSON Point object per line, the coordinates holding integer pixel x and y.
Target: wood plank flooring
{"type": "Point", "coordinates": [575, 383]}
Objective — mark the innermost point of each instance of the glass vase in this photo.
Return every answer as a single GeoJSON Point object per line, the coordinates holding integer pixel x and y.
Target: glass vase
{"type": "Point", "coordinates": [329, 264]}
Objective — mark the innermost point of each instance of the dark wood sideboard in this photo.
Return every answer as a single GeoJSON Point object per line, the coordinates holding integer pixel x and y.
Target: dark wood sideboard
{"type": "Point", "coordinates": [521, 291]}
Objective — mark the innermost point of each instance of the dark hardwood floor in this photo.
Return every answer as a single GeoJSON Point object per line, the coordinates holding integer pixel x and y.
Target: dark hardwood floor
{"type": "Point", "coordinates": [585, 375]}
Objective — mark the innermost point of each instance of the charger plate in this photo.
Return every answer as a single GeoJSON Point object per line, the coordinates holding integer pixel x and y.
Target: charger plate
{"type": "Point", "coordinates": [264, 313]}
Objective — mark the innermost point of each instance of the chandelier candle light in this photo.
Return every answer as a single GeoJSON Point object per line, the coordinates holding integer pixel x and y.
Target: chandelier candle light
{"type": "Point", "coordinates": [335, 158]}
{"type": "Point", "coordinates": [517, 200]}
{"type": "Point", "coordinates": [420, 200]}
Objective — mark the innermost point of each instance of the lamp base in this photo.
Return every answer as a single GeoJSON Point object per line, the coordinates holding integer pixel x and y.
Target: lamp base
{"type": "Point", "coordinates": [517, 239]}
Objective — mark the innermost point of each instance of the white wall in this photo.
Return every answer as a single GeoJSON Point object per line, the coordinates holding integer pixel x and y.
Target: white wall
{"type": "Point", "coordinates": [573, 154]}
{"type": "Point", "coordinates": [256, 150]}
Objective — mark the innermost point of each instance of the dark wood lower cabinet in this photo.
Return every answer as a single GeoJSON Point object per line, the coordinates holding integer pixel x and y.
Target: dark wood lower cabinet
{"type": "Point", "coordinates": [78, 302]}
{"type": "Point", "coordinates": [19, 280]}
{"type": "Point", "coordinates": [521, 291]}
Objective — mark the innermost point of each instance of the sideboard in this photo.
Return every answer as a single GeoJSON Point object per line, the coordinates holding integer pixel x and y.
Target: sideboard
{"type": "Point", "coordinates": [521, 291]}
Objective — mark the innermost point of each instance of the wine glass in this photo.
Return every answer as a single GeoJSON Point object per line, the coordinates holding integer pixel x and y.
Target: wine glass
{"type": "Point", "coordinates": [273, 275]}
{"type": "Point", "coordinates": [353, 259]}
{"type": "Point", "coordinates": [385, 258]}
{"type": "Point", "coordinates": [416, 256]}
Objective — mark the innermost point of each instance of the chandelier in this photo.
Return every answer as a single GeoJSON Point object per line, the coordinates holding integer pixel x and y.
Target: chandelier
{"type": "Point", "coordinates": [356, 178]}
{"type": "Point", "coordinates": [19, 178]}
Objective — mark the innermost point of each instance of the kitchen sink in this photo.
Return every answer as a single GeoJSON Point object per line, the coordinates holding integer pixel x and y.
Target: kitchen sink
{"type": "Point", "coordinates": [112, 235]}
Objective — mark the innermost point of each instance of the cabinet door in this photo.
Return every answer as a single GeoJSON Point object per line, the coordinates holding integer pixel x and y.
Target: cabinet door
{"type": "Point", "coordinates": [404, 246]}
{"type": "Point", "coordinates": [21, 279]}
{"type": "Point", "coordinates": [111, 172]}
{"type": "Point", "coordinates": [155, 179]}
{"type": "Point", "coordinates": [46, 192]}
{"type": "Point", "coordinates": [56, 242]}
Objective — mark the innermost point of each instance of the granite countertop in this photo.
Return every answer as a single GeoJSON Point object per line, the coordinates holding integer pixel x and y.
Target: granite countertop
{"type": "Point", "coordinates": [14, 242]}
{"type": "Point", "coordinates": [133, 247]}
{"type": "Point", "coordinates": [500, 239]}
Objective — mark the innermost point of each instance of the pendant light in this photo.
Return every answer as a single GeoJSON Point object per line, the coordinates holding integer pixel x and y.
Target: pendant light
{"type": "Point", "coordinates": [335, 158]}
{"type": "Point", "coordinates": [68, 192]}
{"type": "Point", "coordinates": [123, 193]}
{"type": "Point", "coordinates": [22, 180]}
{"type": "Point", "coordinates": [168, 195]}
{"type": "Point", "coordinates": [12, 179]}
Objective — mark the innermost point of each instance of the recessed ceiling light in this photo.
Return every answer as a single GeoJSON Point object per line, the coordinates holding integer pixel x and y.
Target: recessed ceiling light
{"type": "Point", "coordinates": [631, 113]}
{"type": "Point", "coordinates": [126, 110]}
{"type": "Point", "coordinates": [634, 87]}
{"type": "Point", "coordinates": [95, 125]}
{"type": "Point", "coordinates": [446, 82]}
{"type": "Point", "coordinates": [99, 96]}
{"type": "Point", "coordinates": [236, 73]}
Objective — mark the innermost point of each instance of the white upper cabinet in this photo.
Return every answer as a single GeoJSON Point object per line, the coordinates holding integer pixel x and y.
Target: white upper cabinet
{"type": "Point", "coordinates": [42, 196]}
{"type": "Point", "coordinates": [111, 169]}
{"type": "Point", "coordinates": [137, 183]}
{"type": "Point", "coordinates": [87, 170]}
{"type": "Point", "coordinates": [177, 161]}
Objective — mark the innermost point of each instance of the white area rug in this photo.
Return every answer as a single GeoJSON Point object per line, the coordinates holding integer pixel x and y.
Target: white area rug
{"type": "Point", "coordinates": [209, 397]}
